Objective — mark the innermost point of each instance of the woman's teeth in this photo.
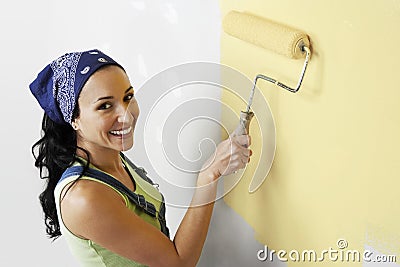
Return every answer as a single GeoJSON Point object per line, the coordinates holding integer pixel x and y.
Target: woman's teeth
{"type": "Point", "coordinates": [122, 132]}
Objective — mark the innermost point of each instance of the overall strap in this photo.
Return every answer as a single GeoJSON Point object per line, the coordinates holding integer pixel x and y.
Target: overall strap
{"type": "Point", "coordinates": [142, 173]}
{"type": "Point", "coordinates": [139, 170]}
{"type": "Point", "coordinates": [137, 199]}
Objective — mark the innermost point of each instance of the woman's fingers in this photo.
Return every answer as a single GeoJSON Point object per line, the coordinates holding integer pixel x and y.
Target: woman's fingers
{"type": "Point", "coordinates": [241, 153]}
{"type": "Point", "coordinates": [243, 140]}
{"type": "Point", "coordinates": [232, 154]}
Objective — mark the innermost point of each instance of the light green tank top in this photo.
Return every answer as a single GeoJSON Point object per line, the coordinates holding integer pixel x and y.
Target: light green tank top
{"type": "Point", "coordinates": [90, 254]}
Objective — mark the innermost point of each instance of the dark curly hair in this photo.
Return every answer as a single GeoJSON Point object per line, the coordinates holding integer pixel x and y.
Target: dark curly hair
{"type": "Point", "coordinates": [54, 152]}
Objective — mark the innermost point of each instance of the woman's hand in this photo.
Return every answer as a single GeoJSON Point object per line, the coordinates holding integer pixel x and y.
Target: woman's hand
{"type": "Point", "coordinates": [230, 155]}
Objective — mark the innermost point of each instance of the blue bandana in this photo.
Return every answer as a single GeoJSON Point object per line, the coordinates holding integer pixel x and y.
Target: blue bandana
{"type": "Point", "coordinates": [58, 85]}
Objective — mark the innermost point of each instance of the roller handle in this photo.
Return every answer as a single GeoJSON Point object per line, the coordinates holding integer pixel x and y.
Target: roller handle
{"type": "Point", "coordinates": [244, 123]}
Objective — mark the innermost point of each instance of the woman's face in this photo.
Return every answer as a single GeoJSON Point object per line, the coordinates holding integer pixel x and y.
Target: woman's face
{"type": "Point", "coordinates": [108, 111]}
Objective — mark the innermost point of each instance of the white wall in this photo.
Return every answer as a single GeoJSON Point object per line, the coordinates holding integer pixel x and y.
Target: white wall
{"type": "Point", "coordinates": [145, 37]}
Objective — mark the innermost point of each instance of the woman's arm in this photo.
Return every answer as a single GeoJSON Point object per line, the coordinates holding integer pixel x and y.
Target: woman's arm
{"type": "Point", "coordinates": [96, 212]}
{"type": "Point", "coordinates": [229, 156]}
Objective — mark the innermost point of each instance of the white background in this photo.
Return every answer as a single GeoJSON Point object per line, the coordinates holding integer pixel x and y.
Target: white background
{"type": "Point", "coordinates": [146, 37]}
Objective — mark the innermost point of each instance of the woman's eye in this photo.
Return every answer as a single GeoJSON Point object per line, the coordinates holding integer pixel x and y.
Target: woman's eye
{"type": "Point", "coordinates": [129, 97]}
{"type": "Point", "coordinates": [105, 106]}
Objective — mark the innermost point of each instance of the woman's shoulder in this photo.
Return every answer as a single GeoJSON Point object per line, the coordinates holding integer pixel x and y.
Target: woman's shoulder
{"type": "Point", "coordinates": [88, 189]}
{"type": "Point", "coordinates": [84, 187]}
{"type": "Point", "coordinates": [84, 192]}
{"type": "Point", "coordinates": [86, 202]}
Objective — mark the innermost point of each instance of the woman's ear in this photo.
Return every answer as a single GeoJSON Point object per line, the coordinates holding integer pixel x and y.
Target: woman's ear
{"type": "Point", "coordinates": [74, 125]}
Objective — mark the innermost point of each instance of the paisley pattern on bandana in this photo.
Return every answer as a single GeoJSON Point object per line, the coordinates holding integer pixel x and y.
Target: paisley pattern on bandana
{"type": "Point", "coordinates": [58, 85]}
{"type": "Point", "coordinates": [64, 69]}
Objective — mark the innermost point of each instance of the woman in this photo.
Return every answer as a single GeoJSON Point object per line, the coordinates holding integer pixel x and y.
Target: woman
{"type": "Point", "coordinates": [90, 117]}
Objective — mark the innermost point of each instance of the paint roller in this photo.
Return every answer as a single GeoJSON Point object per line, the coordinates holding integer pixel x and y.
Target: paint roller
{"type": "Point", "coordinates": [275, 37]}
{"type": "Point", "coordinates": [270, 35]}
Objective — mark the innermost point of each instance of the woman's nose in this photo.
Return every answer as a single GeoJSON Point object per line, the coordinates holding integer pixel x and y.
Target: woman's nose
{"type": "Point", "coordinates": [123, 115]}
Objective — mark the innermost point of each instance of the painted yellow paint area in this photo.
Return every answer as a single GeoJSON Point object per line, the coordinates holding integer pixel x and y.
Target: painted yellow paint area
{"type": "Point", "coordinates": [336, 172]}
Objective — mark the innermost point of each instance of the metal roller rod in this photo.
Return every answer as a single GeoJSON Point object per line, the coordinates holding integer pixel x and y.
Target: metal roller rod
{"type": "Point", "coordinates": [278, 83]}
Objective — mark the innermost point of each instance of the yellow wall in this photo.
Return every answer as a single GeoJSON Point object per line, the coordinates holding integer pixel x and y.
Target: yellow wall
{"type": "Point", "coordinates": [336, 172]}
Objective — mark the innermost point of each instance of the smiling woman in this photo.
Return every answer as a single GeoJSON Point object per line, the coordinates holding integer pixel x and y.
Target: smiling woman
{"type": "Point", "coordinates": [108, 211]}
{"type": "Point", "coordinates": [115, 112]}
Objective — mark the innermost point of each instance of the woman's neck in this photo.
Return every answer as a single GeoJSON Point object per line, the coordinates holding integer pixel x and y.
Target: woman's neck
{"type": "Point", "coordinates": [107, 160]}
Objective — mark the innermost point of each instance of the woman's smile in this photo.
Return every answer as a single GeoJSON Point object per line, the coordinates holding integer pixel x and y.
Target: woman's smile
{"type": "Point", "coordinates": [123, 132]}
